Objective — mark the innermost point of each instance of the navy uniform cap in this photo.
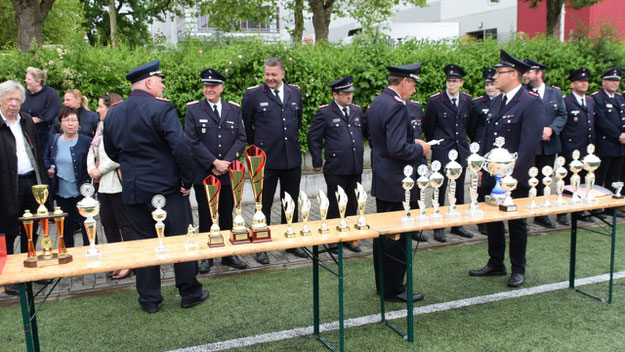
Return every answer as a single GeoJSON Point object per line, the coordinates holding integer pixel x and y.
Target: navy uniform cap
{"type": "Point", "coordinates": [411, 71]}
{"type": "Point", "coordinates": [144, 71]}
{"type": "Point", "coordinates": [345, 84]}
{"type": "Point", "coordinates": [507, 60]}
{"type": "Point", "coordinates": [581, 74]}
{"type": "Point", "coordinates": [454, 71]}
{"type": "Point", "coordinates": [535, 65]}
{"type": "Point", "coordinates": [489, 74]}
{"type": "Point", "coordinates": [612, 74]}
{"type": "Point", "coordinates": [210, 76]}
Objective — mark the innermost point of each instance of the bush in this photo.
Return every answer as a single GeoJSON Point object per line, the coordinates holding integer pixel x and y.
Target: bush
{"type": "Point", "coordinates": [97, 70]}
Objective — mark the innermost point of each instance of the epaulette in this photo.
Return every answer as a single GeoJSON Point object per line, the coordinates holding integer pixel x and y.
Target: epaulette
{"type": "Point", "coordinates": [589, 97]}
{"type": "Point", "coordinates": [193, 102]}
{"type": "Point", "coordinates": [414, 101]}
{"type": "Point", "coordinates": [467, 94]}
{"type": "Point", "coordinates": [478, 98]}
{"type": "Point", "coordinates": [597, 92]}
{"type": "Point", "coordinates": [533, 94]}
{"type": "Point", "coordinates": [117, 103]}
{"type": "Point", "coordinates": [295, 85]}
{"type": "Point", "coordinates": [618, 93]}
{"type": "Point", "coordinates": [358, 106]}
{"type": "Point", "coordinates": [256, 86]}
{"type": "Point", "coordinates": [235, 104]}
{"type": "Point", "coordinates": [324, 106]}
{"type": "Point", "coordinates": [435, 95]}
{"type": "Point", "coordinates": [162, 99]}
{"type": "Point", "coordinates": [556, 87]}
{"type": "Point", "coordinates": [398, 99]}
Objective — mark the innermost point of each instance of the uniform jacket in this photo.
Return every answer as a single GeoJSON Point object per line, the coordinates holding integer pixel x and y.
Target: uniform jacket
{"type": "Point", "coordinates": [44, 104]}
{"type": "Point", "coordinates": [579, 130]}
{"type": "Point", "coordinates": [88, 123]}
{"type": "Point", "coordinates": [143, 134]}
{"type": "Point", "coordinates": [79, 160]}
{"type": "Point", "coordinates": [273, 126]}
{"type": "Point", "coordinates": [609, 123]}
{"type": "Point", "coordinates": [415, 116]}
{"type": "Point", "coordinates": [555, 117]}
{"type": "Point", "coordinates": [9, 211]}
{"type": "Point", "coordinates": [521, 123]}
{"type": "Point", "coordinates": [481, 108]}
{"type": "Point", "coordinates": [444, 121]}
{"type": "Point", "coordinates": [211, 137]}
{"type": "Point", "coordinates": [343, 140]}
{"type": "Point", "coordinates": [392, 146]}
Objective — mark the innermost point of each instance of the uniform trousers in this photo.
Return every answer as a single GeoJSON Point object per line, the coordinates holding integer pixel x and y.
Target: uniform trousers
{"type": "Point", "coordinates": [289, 182]}
{"type": "Point", "coordinates": [149, 279]}
{"type": "Point", "coordinates": [226, 203]}
{"type": "Point", "coordinates": [540, 162]}
{"type": "Point", "coordinates": [25, 200]}
{"type": "Point", "coordinates": [609, 171]}
{"type": "Point", "coordinates": [348, 183]}
{"type": "Point", "coordinates": [113, 216]}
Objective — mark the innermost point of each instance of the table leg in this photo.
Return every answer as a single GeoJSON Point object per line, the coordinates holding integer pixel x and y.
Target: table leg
{"type": "Point", "coordinates": [315, 258]}
{"type": "Point", "coordinates": [409, 289]}
{"type": "Point", "coordinates": [381, 278]}
{"type": "Point", "coordinates": [29, 317]}
{"type": "Point", "coordinates": [341, 317]}
{"type": "Point", "coordinates": [612, 245]}
{"type": "Point", "coordinates": [573, 250]}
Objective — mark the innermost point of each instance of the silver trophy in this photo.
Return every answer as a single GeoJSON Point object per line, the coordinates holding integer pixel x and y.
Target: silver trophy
{"type": "Point", "coordinates": [324, 204]}
{"type": "Point", "coordinates": [436, 181]}
{"type": "Point", "coordinates": [453, 170]}
{"type": "Point", "coordinates": [407, 183]}
{"type": "Point", "coordinates": [159, 215]}
{"type": "Point", "coordinates": [496, 160]}
{"type": "Point", "coordinates": [547, 172]}
{"type": "Point", "coordinates": [341, 198]}
{"type": "Point", "coordinates": [591, 163]}
{"type": "Point", "coordinates": [191, 243]}
{"type": "Point", "coordinates": [304, 207]}
{"type": "Point", "coordinates": [532, 182]}
{"type": "Point", "coordinates": [89, 208]}
{"type": "Point", "coordinates": [508, 184]}
{"type": "Point", "coordinates": [560, 173]}
{"type": "Point", "coordinates": [575, 167]}
{"type": "Point", "coordinates": [361, 199]}
{"type": "Point", "coordinates": [475, 162]}
{"type": "Point", "coordinates": [618, 186]}
{"type": "Point", "coordinates": [422, 182]}
{"type": "Point", "coordinates": [289, 209]}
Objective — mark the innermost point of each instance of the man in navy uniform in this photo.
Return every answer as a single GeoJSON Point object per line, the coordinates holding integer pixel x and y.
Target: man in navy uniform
{"type": "Point", "coordinates": [610, 124]}
{"type": "Point", "coordinates": [272, 113]}
{"type": "Point", "coordinates": [215, 133]}
{"type": "Point", "coordinates": [393, 147]}
{"type": "Point", "coordinates": [337, 127]}
{"type": "Point", "coordinates": [516, 115]}
{"type": "Point", "coordinates": [143, 134]}
{"type": "Point", "coordinates": [555, 118]}
{"type": "Point", "coordinates": [447, 116]}
{"type": "Point", "coordinates": [579, 130]}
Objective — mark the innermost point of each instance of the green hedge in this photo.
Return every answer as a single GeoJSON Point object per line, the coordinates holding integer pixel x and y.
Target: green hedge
{"type": "Point", "coordinates": [97, 70]}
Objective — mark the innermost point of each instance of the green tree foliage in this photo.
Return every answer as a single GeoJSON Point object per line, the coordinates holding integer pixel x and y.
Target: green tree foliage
{"type": "Point", "coordinates": [554, 9]}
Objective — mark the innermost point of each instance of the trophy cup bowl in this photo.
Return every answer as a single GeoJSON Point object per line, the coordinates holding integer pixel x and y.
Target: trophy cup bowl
{"type": "Point", "coordinates": [495, 162]}
{"type": "Point", "coordinates": [256, 159]}
{"type": "Point", "coordinates": [289, 209]}
{"type": "Point", "coordinates": [508, 184]}
{"type": "Point", "coordinates": [159, 215]}
{"type": "Point", "coordinates": [212, 186]}
{"type": "Point", "coordinates": [361, 199]}
{"type": "Point", "coordinates": [304, 207]}
{"type": "Point", "coordinates": [422, 182]}
{"type": "Point", "coordinates": [407, 184]}
{"type": "Point", "coordinates": [40, 192]}
{"type": "Point", "coordinates": [88, 207]}
{"type": "Point", "coordinates": [618, 186]}
{"type": "Point", "coordinates": [532, 182]}
{"type": "Point", "coordinates": [324, 204]}
{"type": "Point", "coordinates": [341, 198]}
{"type": "Point", "coordinates": [239, 233]}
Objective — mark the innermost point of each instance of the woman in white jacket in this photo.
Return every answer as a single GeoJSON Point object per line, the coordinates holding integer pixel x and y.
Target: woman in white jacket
{"type": "Point", "coordinates": [106, 172]}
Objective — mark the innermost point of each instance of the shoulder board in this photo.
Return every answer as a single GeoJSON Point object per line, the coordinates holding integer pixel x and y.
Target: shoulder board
{"type": "Point", "coordinates": [617, 93]}
{"type": "Point", "coordinates": [397, 99]}
{"type": "Point", "coordinates": [295, 85]}
{"type": "Point", "coordinates": [435, 95]}
{"type": "Point", "coordinates": [533, 94]}
{"type": "Point", "coordinates": [162, 99]}
{"type": "Point", "coordinates": [556, 87]}
{"type": "Point", "coordinates": [256, 86]}
{"type": "Point", "coordinates": [589, 97]}
{"type": "Point", "coordinates": [235, 104]}
{"type": "Point", "coordinates": [193, 102]}
{"type": "Point", "coordinates": [478, 98]}
{"type": "Point", "coordinates": [414, 101]}
{"type": "Point", "coordinates": [467, 94]}
{"type": "Point", "coordinates": [117, 103]}
{"type": "Point", "coordinates": [358, 106]}
{"type": "Point", "coordinates": [597, 92]}
{"type": "Point", "coordinates": [324, 106]}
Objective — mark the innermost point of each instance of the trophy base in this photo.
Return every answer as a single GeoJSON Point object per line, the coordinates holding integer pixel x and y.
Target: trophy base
{"type": "Point", "coordinates": [452, 215]}
{"type": "Point", "coordinates": [239, 237]}
{"type": "Point", "coordinates": [494, 200]}
{"type": "Point", "coordinates": [474, 212]}
{"type": "Point", "coordinates": [161, 250]}
{"type": "Point", "coordinates": [546, 205]}
{"type": "Point", "coordinates": [362, 227]}
{"type": "Point", "coordinates": [619, 196]}
{"type": "Point", "coordinates": [407, 219]}
{"type": "Point", "coordinates": [531, 206]}
{"type": "Point", "coordinates": [215, 241]}
{"type": "Point", "coordinates": [436, 216]}
{"type": "Point", "coordinates": [52, 259]}
{"type": "Point", "coordinates": [258, 236]}
{"type": "Point", "coordinates": [323, 231]}
{"type": "Point", "coordinates": [290, 234]}
{"type": "Point", "coordinates": [92, 257]}
{"type": "Point", "coordinates": [305, 233]}
{"type": "Point", "coordinates": [342, 229]}
{"type": "Point", "coordinates": [423, 218]}
{"type": "Point", "coordinates": [507, 208]}
{"type": "Point", "coordinates": [191, 246]}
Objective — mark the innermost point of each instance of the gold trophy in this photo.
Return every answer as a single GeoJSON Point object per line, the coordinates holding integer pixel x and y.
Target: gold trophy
{"type": "Point", "coordinates": [40, 193]}
{"type": "Point", "coordinates": [239, 232]}
{"type": "Point", "coordinates": [560, 173]}
{"type": "Point", "coordinates": [341, 198]}
{"type": "Point", "coordinates": [324, 204]}
{"type": "Point", "coordinates": [289, 210]}
{"type": "Point", "coordinates": [190, 237]}
{"type": "Point", "coordinates": [255, 159]}
{"type": "Point", "coordinates": [361, 199]}
{"type": "Point", "coordinates": [159, 215]}
{"type": "Point", "coordinates": [59, 221]}
{"type": "Point", "coordinates": [304, 207]}
{"type": "Point", "coordinates": [547, 172]}
{"type": "Point", "coordinates": [89, 208]}
{"type": "Point", "coordinates": [532, 182]}
{"type": "Point", "coordinates": [575, 166]}
{"type": "Point", "coordinates": [591, 163]}
{"type": "Point", "coordinates": [212, 186]}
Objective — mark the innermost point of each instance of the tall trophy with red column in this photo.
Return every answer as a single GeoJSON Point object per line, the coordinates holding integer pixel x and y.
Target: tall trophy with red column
{"type": "Point", "coordinates": [239, 232]}
{"type": "Point", "coordinates": [212, 186]}
{"type": "Point", "coordinates": [256, 159]}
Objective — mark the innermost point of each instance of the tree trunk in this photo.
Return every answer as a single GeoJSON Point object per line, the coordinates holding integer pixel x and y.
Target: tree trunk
{"type": "Point", "coordinates": [322, 14]}
{"type": "Point", "coordinates": [113, 22]}
{"type": "Point", "coordinates": [554, 8]}
{"type": "Point", "coordinates": [29, 18]}
{"type": "Point", "coordinates": [298, 12]}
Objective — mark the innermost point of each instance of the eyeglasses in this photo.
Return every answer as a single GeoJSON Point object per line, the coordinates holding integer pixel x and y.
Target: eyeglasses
{"type": "Point", "coordinates": [502, 72]}
{"type": "Point", "coordinates": [70, 120]}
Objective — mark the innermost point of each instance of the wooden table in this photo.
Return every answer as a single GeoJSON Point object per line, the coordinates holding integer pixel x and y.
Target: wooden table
{"type": "Point", "coordinates": [140, 253]}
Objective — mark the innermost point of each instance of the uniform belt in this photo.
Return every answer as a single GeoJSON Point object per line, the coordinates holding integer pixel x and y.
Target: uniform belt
{"type": "Point", "coordinates": [26, 175]}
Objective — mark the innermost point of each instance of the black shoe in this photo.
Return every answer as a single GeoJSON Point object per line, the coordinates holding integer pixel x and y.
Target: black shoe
{"type": "Point", "coordinates": [482, 229]}
{"type": "Point", "coordinates": [12, 289]}
{"type": "Point", "coordinates": [190, 304]}
{"type": "Point", "coordinates": [598, 214]}
{"type": "Point", "coordinates": [234, 262]}
{"type": "Point", "coordinates": [439, 235]}
{"type": "Point", "coordinates": [403, 297]}
{"type": "Point", "coordinates": [204, 266]}
{"type": "Point", "coordinates": [262, 258]}
{"type": "Point", "coordinates": [419, 237]}
{"type": "Point", "coordinates": [298, 252]}
{"type": "Point", "coordinates": [563, 219]}
{"type": "Point", "coordinates": [516, 279]}
{"type": "Point", "coordinates": [488, 271]}
{"type": "Point", "coordinates": [460, 231]}
{"type": "Point", "coordinates": [150, 309]}
{"type": "Point", "coordinates": [582, 216]}
{"type": "Point", "coordinates": [545, 222]}
{"type": "Point", "coordinates": [351, 247]}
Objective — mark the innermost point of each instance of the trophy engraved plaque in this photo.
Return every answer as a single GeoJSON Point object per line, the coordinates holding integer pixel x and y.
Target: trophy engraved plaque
{"type": "Point", "coordinates": [289, 208]}
{"type": "Point", "coordinates": [575, 167]}
{"type": "Point", "coordinates": [508, 184]}
{"type": "Point", "coordinates": [361, 199]}
{"type": "Point", "coordinates": [495, 161]}
{"type": "Point", "coordinates": [407, 183]}
{"type": "Point", "coordinates": [212, 186]}
{"type": "Point", "coordinates": [89, 208]}
{"type": "Point", "coordinates": [618, 186]}
{"type": "Point", "coordinates": [547, 171]}
{"type": "Point", "coordinates": [304, 206]}
{"type": "Point", "coordinates": [453, 170]}
{"type": "Point", "coordinates": [591, 163]}
{"type": "Point", "coordinates": [422, 182]}
{"type": "Point", "coordinates": [560, 173]}
{"type": "Point", "coordinates": [255, 159]}
{"type": "Point", "coordinates": [341, 198]}
{"type": "Point", "coordinates": [532, 182]}
{"type": "Point", "coordinates": [436, 181]}
{"type": "Point", "coordinates": [475, 163]}
{"type": "Point", "coordinates": [239, 233]}
{"type": "Point", "coordinates": [159, 215]}
{"type": "Point", "coordinates": [191, 243]}
{"type": "Point", "coordinates": [324, 204]}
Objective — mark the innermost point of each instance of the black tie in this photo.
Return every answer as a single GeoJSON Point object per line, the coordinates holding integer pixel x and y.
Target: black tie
{"type": "Point", "coordinates": [453, 102]}
{"type": "Point", "coordinates": [503, 104]}
{"type": "Point", "coordinates": [215, 110]}
{"type": "Point", "coordinates": [277, 92]}
{"type": "Point", "coordinates": [345, 113]}
{"type": "Point", "coordinates": [583, 103]}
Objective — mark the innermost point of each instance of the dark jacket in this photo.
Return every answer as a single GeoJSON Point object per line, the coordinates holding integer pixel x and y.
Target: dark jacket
{"type": "Point", "coordinates": [44, 104]}
{"type": "Point", "coordinates": [79, 160]}
{"type": "Point", "coordinates": [210, 137]}
{"type": "Point", "coordinates": [415, 116]}
{"type": "Point", "coordinates": [88, 123]}
{"type": "Point", "coordinates": [555, 118]}
{"type": "Point", "coordinates": [8, 171]}
{"type": "Point", "coordinates": [609, 123]}
{"type": "Point", "coordinates": [481, 108]}
{"type": "Point", "coordinates": [579, 130]}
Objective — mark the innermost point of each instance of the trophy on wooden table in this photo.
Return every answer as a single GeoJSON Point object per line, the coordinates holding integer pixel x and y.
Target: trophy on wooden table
{"type": "Point", "coordinates": [475, 163]}
{"type": "Point", "coordinates": [547, 171]}
{"type": "Point", "coordinates": [239, 233]}
{"type": "Point", "coordinates": [496, 160]}
{"type": "Point", "coordinates": [422, 182]}
{"type": "Point", "coordinates": [59, 221]}
{"type": "Point", "coordinates": [508, 184]}
{"type": "Point", "coordinates": [159, 215]}
{"type": "Point", "coordinates": [361, 199]}
{"type": "Point", "coordinates": [436, 181]}
{"type": "Point", "coordinates": [341, 198]}
{"type": "Point", "coordinates": [289, 209]}
{"type": "Point", "coordinates": [453, 170]}
{"type": "Point", "coordinates": [575, 166]}
{"type": "Point", "coordinates": [324, 204]}
{"type": "Point", "coordinates": [532, 182]}
{"type": "Point", "coordinates": [407, 183]}
{"type": "Point", "coordinates": [618, 186]}
{"type": "Point", "coordinates": [31, 259]}
{"type": "Point", "coordinates": [560, 173]}
{"type": "Point", "coordinates": [191, 243]}
{"type": "Point", "coordinates": [256, 159]}
{"type": "Point", "coordinates": [40, 193]}
{"type": "Point", "coordinates": [304, 207]}
{"type": "Point", "coordinates": [89, 208]}
{"type": "Point", "coordinates": [591, 163]}
{"type": "Point", "coordinates": [212, 186]}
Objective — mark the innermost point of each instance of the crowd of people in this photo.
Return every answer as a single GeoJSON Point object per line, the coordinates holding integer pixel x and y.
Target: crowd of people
{"type": "Point", "coordinates": [137, 148]}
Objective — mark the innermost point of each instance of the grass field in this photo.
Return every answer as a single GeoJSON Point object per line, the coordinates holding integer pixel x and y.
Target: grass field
{"type": "Point", "coordinates": [257, 303]}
